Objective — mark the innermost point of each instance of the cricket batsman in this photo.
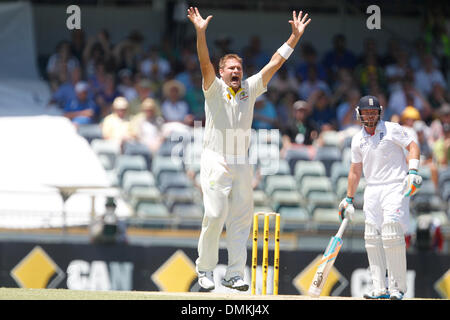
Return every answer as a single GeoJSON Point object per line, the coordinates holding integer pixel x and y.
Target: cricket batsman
{"type": "Point", "coordinates": [225, 173]}
{"type": "Point", "coordinates": [377, 150]}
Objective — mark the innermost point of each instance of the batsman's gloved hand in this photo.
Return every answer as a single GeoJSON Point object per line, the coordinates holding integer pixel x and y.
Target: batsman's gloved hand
{"type": "Point", "coordinates": [346, 209]}
{"type": "Point", "coordinates": [412, 183]}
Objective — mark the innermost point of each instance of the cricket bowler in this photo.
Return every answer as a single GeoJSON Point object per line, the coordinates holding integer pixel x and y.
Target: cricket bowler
{"type": "Point", "coordinates": [225, 172]}
{"type": "Point", "coordinates": [377, 151]}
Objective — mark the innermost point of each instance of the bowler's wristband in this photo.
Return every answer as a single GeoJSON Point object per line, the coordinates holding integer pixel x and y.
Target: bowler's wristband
{"type": "Point", "coordinates": [285, 51]}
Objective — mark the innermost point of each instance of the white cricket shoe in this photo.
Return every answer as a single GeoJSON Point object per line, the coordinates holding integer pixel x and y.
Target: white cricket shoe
{"type": "Point", "coordinates": [206, 280]}
{"type": "Point", "coordinates": [377, 294]}
{"type": "Point", "coordinates": [396, 295]}
{"type": "Point", "coordinates": [235, 283]}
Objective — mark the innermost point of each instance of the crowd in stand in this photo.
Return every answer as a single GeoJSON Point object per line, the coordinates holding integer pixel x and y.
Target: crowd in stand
{"type": "Point", "coordinates": [141, 93]}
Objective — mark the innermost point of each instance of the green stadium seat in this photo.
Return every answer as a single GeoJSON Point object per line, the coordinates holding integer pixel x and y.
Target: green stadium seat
{"type": "Point", "coordinates": [126, 163]}
{"type": "Point", "coordinates": [133, 179]}
{"type": "Point", "coordinates": [283, 198]}
{"type": "Point", "coordinates": [149, 210]}
{"type": "Point", "coordinates": [165, 164]}
{"type": "Point", "coordinates": [324, 215]}
{"type": "Point", "coordinates": [312, 183]}
{"type": "Point", "coordinates": [107, 148]}
{"type": "Point", "coordinates": [282, 182]}
{"type": "Point", "coordinates": [308, 169]}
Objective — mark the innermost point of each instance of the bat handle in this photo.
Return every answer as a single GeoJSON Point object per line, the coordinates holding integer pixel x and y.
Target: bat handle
{"type": "Point", "coordinates": [342, 228]}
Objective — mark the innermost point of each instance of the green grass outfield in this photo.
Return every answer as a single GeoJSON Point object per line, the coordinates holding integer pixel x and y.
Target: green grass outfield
{"type": "Point", "coordinates": [64, 294]}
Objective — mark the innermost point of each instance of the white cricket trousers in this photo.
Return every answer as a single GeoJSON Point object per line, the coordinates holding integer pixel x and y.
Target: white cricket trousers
{"type": "Point", "coordinates": [228, 200]}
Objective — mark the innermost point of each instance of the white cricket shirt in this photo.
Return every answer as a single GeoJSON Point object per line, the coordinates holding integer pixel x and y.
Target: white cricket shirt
{"type": "Point", "coordinates": [229, 115]}
{"type": "Point", "coordinates": [382, 153]}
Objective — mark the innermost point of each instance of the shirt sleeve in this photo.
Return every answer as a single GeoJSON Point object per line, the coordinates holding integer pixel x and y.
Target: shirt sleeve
{"type": "Point", "coordinates": [255, 85]}
{"type": "Point", "coordinates": [401, 136]}
{"type": "Point", "coordinates": [355, 152]}
{"type": "Point", "coordinates": [212, 90]}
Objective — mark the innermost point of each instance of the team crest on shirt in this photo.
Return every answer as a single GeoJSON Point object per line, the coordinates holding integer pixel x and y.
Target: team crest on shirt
{"type": "Point", "coordinates": [243, 96]}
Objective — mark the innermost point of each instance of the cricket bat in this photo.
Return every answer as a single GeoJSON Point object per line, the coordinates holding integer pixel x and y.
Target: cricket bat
{"type": "Point", "coordinates": [327, 261]}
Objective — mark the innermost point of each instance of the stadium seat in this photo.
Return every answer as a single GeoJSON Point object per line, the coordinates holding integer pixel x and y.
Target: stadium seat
{"type": "Point", "coordinates": [187, 210]}
{"type": "Point", "coordinates": [282, 198]}
{"type": "Point", "coordinates": [260, 198]}
{"type": "Point", "coordinates": [275, 167]}
{"type": "Point", "coordinates": [325, 215]}
{"type": "Point", "coordinates": [132, 179]}
{"type": "Point", "coordinates": [310, 184]}
{"type": "Point", "coordinates": [341, 187]}
{"type": "Point", "coordinates": [90, 132]}
{"type": "Point", "coordinates": [338, 170]}
{"type": "Point", "coordinates": [331, 139]}
{"type": "Point", "coordinates": [283, 182]}
{"type": "Point", "coordinates": [444, 176]}
{"type": "Point", "coordinates": [294, 155]}
{"type": "Point", "coordinates": [328, 155]}
{"type": "Point", "coordinates": [179, 195]}
{"type": "Point", "coordinates": [168, 180]}
{"type": "Point", "coordinates": [149, 210]}
{"type": "Point", "coordinates": [136, 148]}
{"type": "Point", "coordinates": [308, 169]}
{"type": "Point", "coordinates": [165, 164]}
{"type": "Point", "coordinates": [139, 195]}
{"type": "Point", "coordinates": [293, 214]}
{"type": "Point", "coordinates": [107, 148]}
{"type": "Point", "coordinates": [126, 163]}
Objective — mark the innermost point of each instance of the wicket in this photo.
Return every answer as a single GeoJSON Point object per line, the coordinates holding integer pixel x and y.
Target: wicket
{"type": "Point", "coordinates": [265, 261]}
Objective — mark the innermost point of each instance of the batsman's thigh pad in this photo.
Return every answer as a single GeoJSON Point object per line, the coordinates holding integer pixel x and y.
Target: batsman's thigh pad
{"type": "Point", "coordinates": [375, 254]}
{"type": "Point", "coordinates": [372, 206]}
{"type": "Point", "coordinates": [395, 206]}
{"type": "Point", "coordinates": [395, 250]}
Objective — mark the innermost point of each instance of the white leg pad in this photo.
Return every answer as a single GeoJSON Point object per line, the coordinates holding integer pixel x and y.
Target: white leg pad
{"type": "Point", "coordinates": [395, 250]}
{"type": "Point", "coordinates": [375, 253]}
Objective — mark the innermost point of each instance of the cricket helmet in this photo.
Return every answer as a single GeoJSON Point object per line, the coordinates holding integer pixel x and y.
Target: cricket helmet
{"type": "Point", "coordinates": [368, 103]}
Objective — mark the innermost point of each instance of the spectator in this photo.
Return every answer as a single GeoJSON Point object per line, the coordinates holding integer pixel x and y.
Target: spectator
{"type": "Point", "coordinates": [397, 71]}
{"type": "Point", "coordinates": [116, 126]}
{"type": "Point", "coordinates": [107, 94]}
{"type": "Point", "coordinates": [195, 98]}
{"type": "Point", "coordinates": [284, 107]}
{"type": "Point", "coordinates": [126, 85]}
{"type": "Point", "coordinates": [264, 114]}
{"type": "Point", "coordinates": [98, 78]}
{"type": "Point", "coordinates": [128, 52]}
{"type": "Point", "coordinates": [345, 112]}
{"type": "Point", "coordinates": [283, 81]}
{"type": "Point", "coordinates": [66, 91]}
{"type": "Point", "coordinates": [61, 63]}
{"type": "Point", "coordinates": [311, 84]}
{"type": "Point", "coordinates": [437, 98]}
{"type": "Point", "coordinates": [323, 114]}
{"type": "Point", "coordinates": [407, 95]}
{"type": "Point", "coordinates": [370, 49]}
{"type": "Point", "coordinates": [338, 57]}
{"type": "Point", "coordinates": [437, 125]}
{"type": "Point", "coordinates": [309, 57]}
{"type": "Point", "coordinates": [77, 43]}
{"type": "Point", "coordinates": [144, 89]}
{"type": "Point", "coordinates": [428, 75]}
{"type": "Point", "coordinates": [222, 43]}
{"type": "Point", "coordinates": [302, 129]}
{"type": "Point", "coordinates": [426, 152]}
{"type": "Point", "coordinates": [191, 69]}
{"type": "Point", "coordinates": [146, 126]}
{"type": "Point", "coordinates": [344, 82]}
{"type": "Point", "coordinates": [371, 75]}
{"type": "Point", "coordinates": [82, 109]}
{"type": "Point", "coordinates": [98, 49]}
{"type": "Point", "coordinates": [153, 66]}
{"type": "Point", "coordinates": [441, 148]}
{"type": "Point", "coordinates": [408, 117]}
{"type": "Point", "coordinates": [254, 55]}
{"type": "Point", "coordinates": [174, 107]}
